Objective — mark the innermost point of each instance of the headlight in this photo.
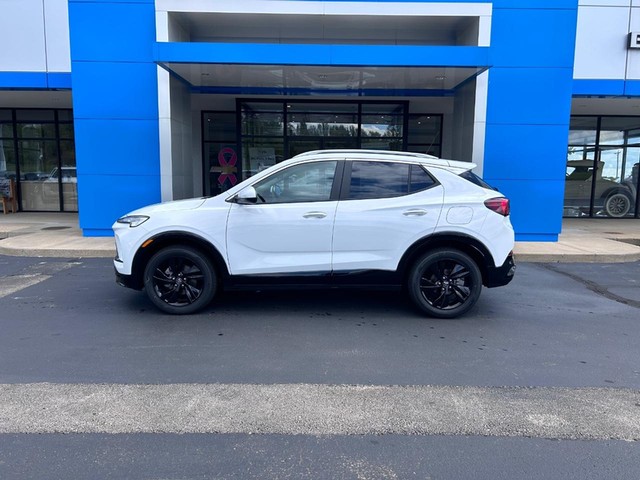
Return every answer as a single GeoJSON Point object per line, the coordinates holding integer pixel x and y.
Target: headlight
{"type": "Point", "coordinates": [133, 220]}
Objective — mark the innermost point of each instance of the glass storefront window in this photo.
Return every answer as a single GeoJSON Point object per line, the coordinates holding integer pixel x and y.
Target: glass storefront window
{"type": "Point", "coordinates": [322, 125]}
{"type": "Point", "coordinates": [583, 130]}
{"type": "Point", "coordinates": [260, 153]}
{"type": "Point", "coordinates": [602, 176]}
{"type": "Point", "coordinates": [382, 126]}
{"type": "Point", "coordinates": [219, 126]}
{"type": "Point", "coordinates": [273, 131]}
{"type": "Point", "coordinates": [41, 159]}
{"type": "Point", "coordinates": [619, 130]}
{"type": "Point", "coordinates": [39, 175]}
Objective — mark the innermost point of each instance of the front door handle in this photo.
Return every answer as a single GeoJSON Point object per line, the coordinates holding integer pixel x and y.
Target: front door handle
{"type": "Point", "coordinates": [314, 215]}
{"type": "Point", "coordinates": [416, 212]}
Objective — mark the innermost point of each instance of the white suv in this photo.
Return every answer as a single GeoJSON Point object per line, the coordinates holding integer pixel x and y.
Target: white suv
{"type": "Point", "coordinates": [327, 218]}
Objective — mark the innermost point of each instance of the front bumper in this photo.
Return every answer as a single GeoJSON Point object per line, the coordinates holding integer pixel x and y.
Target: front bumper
{"type": "Point", "coordinates": [126, 280]}
{"type": "Point", "coordinates": [502, 275]}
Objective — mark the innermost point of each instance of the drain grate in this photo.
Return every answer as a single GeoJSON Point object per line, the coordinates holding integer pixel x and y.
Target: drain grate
{"type": "Point", "coordinates": [55, 228]}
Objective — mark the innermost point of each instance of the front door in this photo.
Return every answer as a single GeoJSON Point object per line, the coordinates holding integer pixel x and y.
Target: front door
{"type": "Point", "coordinates": [290, 228]}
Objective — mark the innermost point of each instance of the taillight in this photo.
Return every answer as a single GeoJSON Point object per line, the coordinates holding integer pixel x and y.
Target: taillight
{"type": "Point", "coordinates": [499, 205]}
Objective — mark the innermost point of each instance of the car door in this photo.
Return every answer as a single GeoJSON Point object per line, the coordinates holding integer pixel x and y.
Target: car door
{"type": "Point", "coordinates": [384, 207]}
{"type": "Point", "coordinates": [289, 229]}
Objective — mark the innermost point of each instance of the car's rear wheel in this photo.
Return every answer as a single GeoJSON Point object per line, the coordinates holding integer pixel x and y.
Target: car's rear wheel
{"type": "Point", "coordinates": [445, 283]}
{"type": "Point", "coordinates": [180, 280]}
{"type": "Point", "coordinates": [617, 204]}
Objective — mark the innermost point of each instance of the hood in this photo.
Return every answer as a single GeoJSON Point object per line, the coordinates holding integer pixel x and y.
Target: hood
{"type": "Point", "coordinates": [174, 206]}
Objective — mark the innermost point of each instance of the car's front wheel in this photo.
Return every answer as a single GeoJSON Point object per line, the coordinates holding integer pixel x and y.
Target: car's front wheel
{"type": "Point", "coordinates": [445, 283]}
{"type": "Point", "coordinates": [180, 280]}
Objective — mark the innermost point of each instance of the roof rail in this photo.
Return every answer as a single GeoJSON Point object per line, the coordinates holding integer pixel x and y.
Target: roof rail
{"type": "Point", "coordinates": [365, 151]}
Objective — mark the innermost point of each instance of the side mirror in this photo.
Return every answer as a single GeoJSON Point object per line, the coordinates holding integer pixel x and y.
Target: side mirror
{"type": "Point", "coordinates": [247, 196]}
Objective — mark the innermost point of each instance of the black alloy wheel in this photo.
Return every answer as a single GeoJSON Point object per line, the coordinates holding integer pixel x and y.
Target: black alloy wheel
{"type": "Point", "coordinates": [180, 280]}
{"type": "Point", "coordinates": [445, 283]}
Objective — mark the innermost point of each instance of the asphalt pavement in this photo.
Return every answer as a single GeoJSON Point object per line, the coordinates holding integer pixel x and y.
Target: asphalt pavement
{"type": "Point", "coordinates": [540, 380]}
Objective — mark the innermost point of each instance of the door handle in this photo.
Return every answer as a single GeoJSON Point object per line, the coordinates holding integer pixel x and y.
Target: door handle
{"type": "Point", "coordinates": [416, 212]}
{"type": "Point", "coordinates": [314, 215]}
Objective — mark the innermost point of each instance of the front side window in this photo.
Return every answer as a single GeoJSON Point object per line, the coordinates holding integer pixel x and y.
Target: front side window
{"type": "Point", "coordinates": [386, 179]}
{"type": "Point", "coordinates": [309, 182]}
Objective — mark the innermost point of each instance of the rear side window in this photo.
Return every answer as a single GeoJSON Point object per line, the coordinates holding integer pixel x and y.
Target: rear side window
{"type": "Point", "coordinates": [386, 179]}
{"type": "Point", "coordinates": [420, 179]}
{"type": "Point", "coordinates": [475, 179]}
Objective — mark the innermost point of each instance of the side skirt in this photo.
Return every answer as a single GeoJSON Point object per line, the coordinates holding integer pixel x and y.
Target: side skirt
{"type": "Point", "coordinates": [373, 279]}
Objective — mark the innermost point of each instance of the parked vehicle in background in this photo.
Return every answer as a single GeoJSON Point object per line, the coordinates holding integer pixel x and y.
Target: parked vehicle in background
{"type": "Point", "coordinates": [335, 218]}
{"type": "Point", "coordinates": [615, 199]}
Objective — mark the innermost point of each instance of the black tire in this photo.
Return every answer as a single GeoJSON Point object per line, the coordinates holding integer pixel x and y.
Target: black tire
{"type": "Point", "coordinates": [617, 205]}
{"type": "Point", "coordinates": [180, 280]}
{"type": "Point", "coordinates": [445, 283]}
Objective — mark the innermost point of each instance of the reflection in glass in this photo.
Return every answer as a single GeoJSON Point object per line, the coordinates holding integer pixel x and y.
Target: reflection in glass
{"type": "Point", "coordinates": [309, 182]}
{"type": "Point", "coordinates": [382, 126]}
{"type": "Point", "coordinates": [260, 153]}
{"type": "Point", "coordinates": [583, 130]}
{"type": "Point", "coordinates": [322, 125]}
{"type": "Point", "coordinates": [39, 186]}
{"type": "Point", "coordinates": [378, 180]}
{"type": "Point", "coordinates": [619, 130]}
{"type": "Point", "coordinates": [219, 126]}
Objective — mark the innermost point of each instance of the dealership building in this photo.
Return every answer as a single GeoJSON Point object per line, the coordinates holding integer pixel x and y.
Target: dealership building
{"type": "Point", "coordinates": [106, 106]}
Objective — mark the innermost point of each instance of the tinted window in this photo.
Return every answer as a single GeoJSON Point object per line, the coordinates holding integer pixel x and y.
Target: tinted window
{"type": "Point", "coordinates": [378, 180]}
{"type": "Point", "coordinates": [473, 178]}
{"type": "Point", "coordinates": [420, 180]}
{"type": "Point", "coordinates": [309, 182]}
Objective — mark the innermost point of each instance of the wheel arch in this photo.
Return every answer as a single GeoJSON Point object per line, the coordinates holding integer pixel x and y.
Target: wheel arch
{"type": "Point", "coordinates": [478, 252]}
{"type": "Point", "coordinates": [173, 238]}
{"type": "Point", "coordinates": [618, 189]}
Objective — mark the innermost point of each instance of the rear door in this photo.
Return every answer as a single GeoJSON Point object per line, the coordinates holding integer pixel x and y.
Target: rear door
{"type": "Point", "coordinates": [384, 207]}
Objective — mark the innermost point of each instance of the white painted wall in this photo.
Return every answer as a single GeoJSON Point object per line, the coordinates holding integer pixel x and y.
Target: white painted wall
{"type": "Point", "coordinates": [34, 36]}
{"type": "Point", "coordinates": [602, 40]}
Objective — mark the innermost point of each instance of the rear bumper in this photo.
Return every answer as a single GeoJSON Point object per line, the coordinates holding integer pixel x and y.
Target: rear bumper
{"type": "Point", "coordinates": [502, 275]}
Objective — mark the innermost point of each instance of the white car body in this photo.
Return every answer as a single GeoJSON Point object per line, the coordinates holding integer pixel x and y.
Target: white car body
{"type": "Point", "coordinates": [332, 237]}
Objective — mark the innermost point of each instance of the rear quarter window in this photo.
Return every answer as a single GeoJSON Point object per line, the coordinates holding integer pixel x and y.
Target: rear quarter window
{"type": "Point", "coordinates": [475, 179]}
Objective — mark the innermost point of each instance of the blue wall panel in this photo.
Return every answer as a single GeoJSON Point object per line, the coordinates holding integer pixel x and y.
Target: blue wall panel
{"type": "Point", "coordinates": [537, 38]}
{"type": "Point", "coordinates": [115, 90]}
{"type": "Point", "coordinates": [141, 154]}
{"type": "Point", "coordinates": [528, 110]}
{"type": "Point", "coordinates": [104, 196]}
{"type": "Point", "coordinates": [128, 30]}
{"type": "Point", "coordinates": [520, 152]}
{"type": "Point", "coordinates": [530, 95]}
{"type": "Point", "coordinates": [539, 217]}
{"type": "Point", "coordinates": [303, 54]}
{"type": "Point", "coordinates": [115, 98]}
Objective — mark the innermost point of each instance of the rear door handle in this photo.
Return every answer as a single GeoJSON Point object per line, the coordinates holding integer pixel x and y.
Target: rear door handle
{"type": "Point", "coordinates": [314, 215]}
{"type": "Point", "coordinates": [416, 212]}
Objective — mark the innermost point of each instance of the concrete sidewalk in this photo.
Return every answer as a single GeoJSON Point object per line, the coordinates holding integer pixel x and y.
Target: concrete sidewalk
{"type": "Point", "coordinates": [582, 240]}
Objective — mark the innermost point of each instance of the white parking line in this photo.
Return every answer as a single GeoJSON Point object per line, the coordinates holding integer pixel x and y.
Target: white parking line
{"type": "Point", "coordinates": [32, 275]}
{"type": "Point", "coordinates": [306, 409]}
{"type": "Point", "coordinates": [15, 283]}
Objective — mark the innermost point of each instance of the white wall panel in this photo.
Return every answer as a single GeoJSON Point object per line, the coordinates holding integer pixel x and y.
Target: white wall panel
{"type": "Point", "coordinates": [56, 19]}
{"type": "Point", "coordinates": [633, 55]}
{"type": "Point", "coordinates": [606, 3]}
{"type": "Point", "coordinates": [22, 39]}
{"type": "Point", "coordinates": [601, 43]}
